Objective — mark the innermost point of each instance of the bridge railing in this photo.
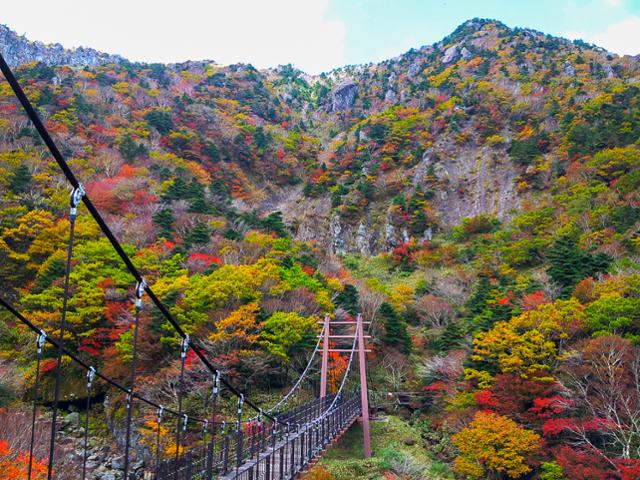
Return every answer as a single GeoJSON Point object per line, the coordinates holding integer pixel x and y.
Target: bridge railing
{"type": "Point", "coordinates": [295, 451]}
{"type": "Point", "coordinates": [266, 451]}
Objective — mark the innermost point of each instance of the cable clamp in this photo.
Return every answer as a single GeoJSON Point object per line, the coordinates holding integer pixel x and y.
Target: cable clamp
{"type": "Point", "coordinates": [42, 337]}
{"type": "Point", "coordinates": [75, 199]}
{"type": "Point", "coordinates": [205, 424]}
{"type": "Point", "coordinates": [129, 398]}
{"type": "Point", "coordinates": [260, 416]}
{"type": "Point", "coordinates": [91, 374]}
{"type": "Point", "coordinates": [141, 286]}
{"type": "Point", "coordinates": [240, 403]}
{"type": "Point", "coordinates": [216, 384]}
{"type": "Point", "coordinates": [185, 421]}
{"type": "Point", "coordinates": [184, 346]}
{"type": "Point", "coordinates": [159, 414]}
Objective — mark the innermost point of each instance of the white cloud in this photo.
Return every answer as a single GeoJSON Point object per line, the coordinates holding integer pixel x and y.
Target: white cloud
{"type": "Point", "coordinates": [613, 3]}
{"type": "Point", "coordinates": [262, 32]}
{"type": "Point", "coordinates": [621, 38]}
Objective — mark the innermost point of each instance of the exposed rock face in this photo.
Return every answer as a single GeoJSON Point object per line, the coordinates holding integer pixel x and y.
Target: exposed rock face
{"type": "Point", "coordinates": [343, 96]}
{"type": "Point", "coordinates": [569, 69]}
{"type": "Point", "coordinates": [413, 69]}
{"type": "Point", "coordinates": [390, 96]}
{"type": "Point", "coordinates": [450, 54]}
{"type": "Point", "coordinates": [17, 50]}
{"type": "Point", "coordinates": [472, 179]}
{"type": "Point", "coordinates": [608, 70]}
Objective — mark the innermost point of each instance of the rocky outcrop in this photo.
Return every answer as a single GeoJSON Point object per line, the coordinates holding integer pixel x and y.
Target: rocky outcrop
{"type": "Point", "coordinates": [472, 180]}
{"type": "Point", "coordinates": [569, 69]}
{"type": "Point", "coordinates": [343, 96]}
{"type": "Point", "coordinates": [18, 50]}
{"type": "Point", "coordinates": [450, 54]}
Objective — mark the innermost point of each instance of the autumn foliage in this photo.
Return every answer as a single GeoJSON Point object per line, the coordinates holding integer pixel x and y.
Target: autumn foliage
{"type": "Point", "coordinates": [15, 465]}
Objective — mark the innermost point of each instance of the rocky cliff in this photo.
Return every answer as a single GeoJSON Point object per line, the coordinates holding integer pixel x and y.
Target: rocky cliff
{"type": "Point", "coordinates": [18, 50]}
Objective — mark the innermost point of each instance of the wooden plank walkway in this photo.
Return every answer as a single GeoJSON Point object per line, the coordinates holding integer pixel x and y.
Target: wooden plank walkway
{"type": "Point", "coordinates": [281, 463]}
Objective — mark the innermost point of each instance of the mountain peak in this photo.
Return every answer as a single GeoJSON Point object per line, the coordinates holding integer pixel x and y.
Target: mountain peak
{"type": "Point", "coordinates": [17, 50]}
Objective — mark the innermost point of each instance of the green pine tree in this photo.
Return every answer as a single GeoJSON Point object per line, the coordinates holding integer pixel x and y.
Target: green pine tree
{"type": "Point", "coordinates": [569, 264]}
{"type": "Point", "coordinates": [199, 235]}
{"type": "Point", "coordinates": [21, 179]}
{"type": "Point", "coordinates": [395, 328]}
{"type": "Point", "coordinates": [273, 223]}
{"type": "Point", "coordinates": [451, 337]}
{"type": "Point", "coordinates": [164, 219]}
{"type": "Point", "coordinates": [178, 190]}
{"type": "Point", "coordinates": [477, 302]}
{"type": "Point", "coordinates": [349, 299]}
{"type": "Point", "coordinates": [129, 149]}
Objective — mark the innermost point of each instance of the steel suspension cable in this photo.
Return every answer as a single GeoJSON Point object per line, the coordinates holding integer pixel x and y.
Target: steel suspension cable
{"type": "Point", "coordinates": [39, 343]}
{"type": "Point", "coordinates": [184, 347]}
{"type": "Point", "coordinates": [140, 287]}
{"type": "Point", "coordinates": [158, 422]}
{"type": "Point", "coordinates": [85, 365]}
{"type": "Point", "coordinates": [285, 399]}
{"type": "Point", "coordinates": [76, 196]}
{"type": "Point", "coordinates": [342, 383]}
{"type": "Point", "coordinates": [91, 373]}
{"type": "Point", "coordinates": [66, 169]}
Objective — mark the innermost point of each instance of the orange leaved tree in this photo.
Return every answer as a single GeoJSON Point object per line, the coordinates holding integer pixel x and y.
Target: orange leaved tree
{"type": "Point", "coordinates": [15, 465]}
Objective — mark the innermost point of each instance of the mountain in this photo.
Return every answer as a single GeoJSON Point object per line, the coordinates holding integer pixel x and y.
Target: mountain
{"type": "Point", "coordinates": [18, 50]}
{"type": "Point", "coordinates": [470, 125]}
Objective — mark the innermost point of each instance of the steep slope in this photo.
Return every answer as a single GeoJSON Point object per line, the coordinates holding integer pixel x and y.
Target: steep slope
{"type": "Point", "coordinates": [474, 124]}
{"type": "Point", "coordinates": [386, 152]}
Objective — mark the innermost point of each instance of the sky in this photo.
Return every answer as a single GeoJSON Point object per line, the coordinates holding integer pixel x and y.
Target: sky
{"type": "Point", "coordinates": [313, 35]}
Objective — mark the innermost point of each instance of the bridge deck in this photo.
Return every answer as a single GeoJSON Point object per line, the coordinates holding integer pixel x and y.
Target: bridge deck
{"type": "Point", "coordinates": [277, 462]}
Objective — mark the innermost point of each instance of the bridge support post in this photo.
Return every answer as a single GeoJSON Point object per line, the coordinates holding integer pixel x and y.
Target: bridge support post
{"type": "Point", "coordinates": [325, 357]}
{"type": "Point", "coordinates": [364, 394]}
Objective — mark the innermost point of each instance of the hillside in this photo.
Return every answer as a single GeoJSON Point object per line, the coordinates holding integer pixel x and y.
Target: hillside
{"type": "Point", "coordinates": [478, 199]}
{"type": "Point", "coordinates": [474, 124]}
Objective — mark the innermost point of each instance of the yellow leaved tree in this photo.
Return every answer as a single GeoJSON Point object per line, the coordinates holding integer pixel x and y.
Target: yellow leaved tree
{"type": "Point", "coordinates": [493, 446]}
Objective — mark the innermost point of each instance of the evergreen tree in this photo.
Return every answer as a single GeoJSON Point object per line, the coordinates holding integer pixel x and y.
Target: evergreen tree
{"type": "Point", "coordinates": [260, 140]}
{"type": "Point", "coordinates": [161, 120]}
{"type": "Point", "coordinates": [451, 337]}
{"type": "Point", "coordinates": [395, 328]}
{"type": "Point", "coordinates": [273, 223]}
{"type": "Point", "coordinates": [178, 190]}
{"type": "Point", "coordinates": [197, 201]}
{"type": "Point", "coordinates": [569, 264]}
{"type": "Point", "coordinates": [211, 151]}
{"type": "Point", "coordinates": [21, 179]}
{"type": "Point", "coordinates": [478, 301]}
{"type": "Point", "coordinates": [164, 219]}
{"type": "Point", "coordinates": [129, 149]}
{"type": "Point", "coordinates": [199, 235]}
{"type": "Point", "coordinates": [349, 299]}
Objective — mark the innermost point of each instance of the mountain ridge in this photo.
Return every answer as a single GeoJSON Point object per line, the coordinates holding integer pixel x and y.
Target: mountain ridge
{"type": "Point", "coordinates": [18, 49]}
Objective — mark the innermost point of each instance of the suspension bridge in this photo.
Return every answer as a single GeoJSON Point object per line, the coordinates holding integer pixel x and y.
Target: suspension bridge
{"type": "Point", "coordinates": [280, 442]}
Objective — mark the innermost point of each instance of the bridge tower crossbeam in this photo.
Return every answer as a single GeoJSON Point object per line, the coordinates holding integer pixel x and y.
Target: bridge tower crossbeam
{"type": "Point", "coordinates": [362, 350]}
